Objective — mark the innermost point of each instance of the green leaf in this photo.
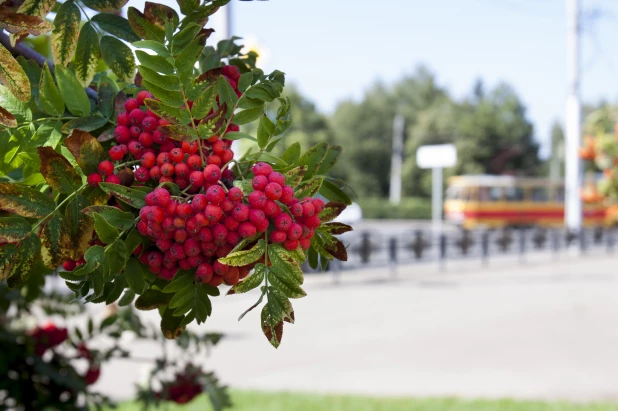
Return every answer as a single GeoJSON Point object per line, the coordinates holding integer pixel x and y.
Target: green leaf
{"type": "Point", "coordinates": [80, 226]}
{"type": "Point", "coordinates": [133, 240]}
{"type": "Point", "coordinates": [269, 158]}
{"type": "Point", "coordinates": [183, 279]}
{"type": "Point", "coordinates": [154, 62]}
{"type": "Point", "coordinates": [247, 103]}
{"type": "Point", "coordinates": [106, 232]}
{"type": "Point", "coordinates": [289, 288]}
{"type": "Point", "coordinates": [334, 152]}
{"type": "Point", "coordinates": [151, 299]}
{"type": "Point", "coordinates": [272, 325]}
{"type": "Point", "coordinates": [13, 76]}
{"type": "Point", "coordinates": [88, 123]}
{"type": "Point", "coordinates": [178, 132]}
{"type": "Point", "coordinates": [86, 54]}
{"type": "Point", "coordinates": [127, 298]}
{"type": "Point", "coordinates": [119, 286]}
{"type": "Point", "coordinates": [155, 46]}
{"type": "Point", "coordinates": [26, 254]}
{"type": "Point", "coordinates": [249, 115]}
{"type": "Point", "coordinates": [13, 229]}
{"type": "Point", "coordinates": [132, 197]}
{"type": "Point", "coordinates": [335, 228]}
{"type": "Point", "coordinates": [334, 193]}
{"type": "Point", "coordinates": [74, 95]}
{"type": "Point", "coordinates": [204, 103]}
{"type": "Point", "coordinates": [226, 94]}
{"type": "Point", "coordinates": [260, 92]}
{"type": "Point", "coordinates": [49, 96]}
{"type": "Point", "coordinates": [245, 257]}
{"type": "Point", "coordinates": [170, 97]}
{"type": "Point", "coordinates": [313, 158]}
{"type": "Point", "coordinates": [245, 81]}
{"type": "Point", "coordinates": [65, 34]}
{"type": "Point", "coordinates": [188, 6]}
{"type": "Point", "coordinates": [167, 112]}
{"type": "Point", "coordinates": [170, 325]}
{"type": "Point", "coordinates": [48, 134]}
{"type": "Point", "coordinates": [25, 201]}
{"type": "Point", "coordinates": [265, 130]}
{"type": "Point", "coordinates": [185, 61]}
{"type": "Point", "coordinates": [143, 28]}
{"type": "Point", "coordinates": [184, 37]}
{"type": "Point", "coordinates": [164, 81]}
{"type": "Point", "coordinates": [107, 90]}
{"type": "Point", "coordinates": [291, 154]}
{"type": "Point", "coordinates": [86, 149]}
{"type": "Point", "coordinates": [284, 264]}
{"type": "Point", "coordinates": [160, 14]}
{"type": "Point", "coordinates": [116, 26]}
{"type": "Point", "coordinates": [19, 109]}
{"type": "Point", "coordinates": [36, 7]}
{"type": "Point", "coordinates": [116, 255]}
{"type": "Point", "coordinates": [134, 274]}
{"type": "Point", "coordinates": [309, 189]}
{"type": "Point", "coordinates": [235, 135]}
{"type": "Point", "coordinates": [119, 57]}
{"type": "Point", "coordinates": [105, 5]}
{"type": "Point", "coordinates": [251, 282]}
{"type": "Point", "coordinates": [114, 216]}
{"type": "Point", "coordinates": [58, 172]}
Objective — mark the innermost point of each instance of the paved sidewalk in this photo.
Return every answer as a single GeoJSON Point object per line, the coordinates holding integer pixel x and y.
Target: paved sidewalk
{"type": "Point", "coordinates": [544, 329]}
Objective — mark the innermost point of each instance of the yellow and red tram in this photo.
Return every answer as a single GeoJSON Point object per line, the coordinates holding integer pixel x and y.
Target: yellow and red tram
{"type": "Point", "coordinates": [501, 201]}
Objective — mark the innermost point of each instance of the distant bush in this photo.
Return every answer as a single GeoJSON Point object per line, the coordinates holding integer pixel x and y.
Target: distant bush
{"type": "Point", "coordinates": [409, 208]}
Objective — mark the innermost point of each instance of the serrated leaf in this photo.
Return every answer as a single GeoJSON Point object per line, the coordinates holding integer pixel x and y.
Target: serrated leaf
{"type": "Point", "coordinates": [25, 201]}
{"type": "Point", "coordinates": [226, 94]}
{"type": "Point", "coordinates": [251, 282]}
{"type": "Point", "coordinates": [86, 149]}
{"type": "Point", "coordinates": [106, 90]}
{"type": "Point", "coordinates": [117, 289]}
{"type": "Point", "coordinates": [248, 116]}
{"type": "Point", "coordinates": [271, 327]}
{"type": "Point", "coordinates": [335, 247]}
{"type": "Point", "coordinates": [245, 81]}
{"type": "Point", "coordinates": [182, 297]}
{"type": "Point", "coordinates": [154, 62]}
{"type": "Point", "coordinates": [158, 14]}
{"type": "Point", "coordinates": [65, 33]}
{"type": "Point", "coordinates": [115, 25]}
{"type": "Point", "coordinates": [178, 132]}
{"type": "Point", "coordinates": [127, 298]}
{"type": "Point", "coordinates": [55, 241]}
{"type": "Point", "coordinates": [331, 211]}
{"type": "Point", "coordinates": [8, 260]}
{"type": "Point", "coordinates": [133, 240]}
{"type": "Point", "coordinates": [88, 123]}
{"type": "Point", "coordinates": [334, 193]}
{"type": "Point", "coordinates": [334, 152]}
{"type": "Point", "coordinates": [184, 37]}
{"type": "Point", "coordinates": [155, 46]}
{"type": "Point", "coordinates": [36, 7]}
{"type": "Point", "coordinates": [132, 197]}
{"type": "Point", "coordinates": [27, 252]}
{"type": "Point", "coordinates": [185, 61]}
{"type": "Point", "coordinates": [58, 172]}
{"type": "Point", "coordinates": [105, 5]}
{"type": "Point", "coordinates": [288, 288]}
{"type": "Point", "coordinates": [204, 103]}
{"type": "Point", "coordinates": [151, 299]}
{"type": "Point", "coordinates": [117, 218]}
{"type": "Point", "coordinates": [7, 119]}
{"type": "Point", "coordinates": [170, 325]}
{"type": "Point", "coordinates": [86, 54]}
{"type": "Point", "coordinates": [142, 27]}
{"type": "Point", "coordinates": [49, 95]}
{"type": "Point", "coordinates": [72, 91]}
{"type": "Point", "coordinates": [309, 189]}
{"type": "Point", "coordinates": [336, 228]}
{"type": "Point", "coordinates": [13, 229]}
{"type": "Point", "coordinates": [313, 158]}
{"type": "Point", "coordinates": [294, 176]}
{"type": "Point", "coordinates": [119, 57]}
{"type": "Point", "coordinates": [116, 255]}
{"type": "Point", "coordinates": [134, 274]}
{"type": "Point", "coordinates": [19, 23]}
{"type": "Point", "coordinates": [235, 135]}
{"type": "Point", "coordinates": [20, 110]}
{"type": "Point", "coordinates": [260, 92]}
{"type": "Point", "coordinates": [170, 97]}
{"type": "Point", "coordinates": [106, 232]}
{"type": "Point", "coordinates": [245, 257]}
{"type": "Point", "coordinates": [13, 76]}
{"type": "Point", "coordinates": [284, 264]}
{"type": "Point", "coordinates": [80, 227]}
{"type": "Point", "coordinates": [182, 279]}
{"type": "Point", "coordinates": [292, 153]}
{"type": "Point", "coordinates": [167, 82]}
{"type": "Point", "coordinates": [167, 112]}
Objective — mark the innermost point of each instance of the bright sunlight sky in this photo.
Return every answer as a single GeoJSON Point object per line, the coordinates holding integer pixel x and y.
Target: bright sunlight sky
{"type": "Point", "coordinates": [335, 49]}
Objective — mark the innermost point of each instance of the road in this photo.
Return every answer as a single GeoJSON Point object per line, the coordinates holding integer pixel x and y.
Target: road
{"type": "Point", "coordinates": [545, 329]}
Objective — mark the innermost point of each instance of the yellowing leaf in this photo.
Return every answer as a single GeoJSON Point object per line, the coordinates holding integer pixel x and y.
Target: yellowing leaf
{"type": "Point", "coordinates": [86, 54]}
{"type": "Point", "coordinates": [105, 5]}
{"type": "Point", "coordinates": [7, 119]}
{"type": "Point", "coordinates": [36, 7]}
{"type": "Point", "coordinates": [18, 23]}
{"type": "Point", "coordinates": [119, 57]}
{"type": "Point", "coordinates": [65, 34]}
{"type": "Point", "coordinates": [58, 172]}
{"type": "Point", "coordinates": [13, 76]}
{"type": "Point", "coordinates": [25, 201]}
{"type": "Point", "coordinates": [55, 242]}
{"type": "Point", "coordinates": [86, 149]}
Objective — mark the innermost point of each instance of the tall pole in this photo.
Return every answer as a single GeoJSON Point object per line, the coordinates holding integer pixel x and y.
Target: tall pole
{"type": "Point", "coordinates": [573, 204]}
{"type": "Point", "coordinates": [436, 199]}
{"type": "Point", "coordinates": [228, 27]}
{"type": "Point", "coordinates": [396, 159]}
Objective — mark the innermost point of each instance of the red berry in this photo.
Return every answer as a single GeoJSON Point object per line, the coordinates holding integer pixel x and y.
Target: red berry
{"type": "Point", "coordinates": [182, 170]}
{"type": "Point", "coordinates": [131, 104]}
{"type": "Point", "coordinates": [273, 191]}
{"type": "Point", "coordinates": [295, 231]}
{"type": "Point", "coordinates": [271, 209]}
{"type": "Point", "coordinates": [219, 147]}
{"type": "Point", "coordinates": [158, 137]}
{"type": "Point", "coordinates": [149, 160]}
{"type": "Point", "coordinates": [155, 259]}
{"type": "Point", "coordinates": [212, 173]}
{"type": "Point", "coordinates": [142, 174]}
{"type": "Point", "coordinates": [257, 199]}
{"type": "Point", "coordinates": [262, 225]}
{"type": "Point", "coordinates": [184, 210]}
{"type": "Point", "coordinates": [149, 124]}
{"type": "Point", "coordinates": [231, 223]}
{"type": "Point", "coordinates": [305, 243]}
{"type": "Point", "coordinates": [256, 215]}
{"type": "Point", "coordinates": [308, 209]}
{"type": "Point", "coordinates": [164, 244]}
{"type": "Point", "coordinates": [196, 260]}
{"type": "Point", "coordinates": [201, 219]}
{"type": "Point", "coordinates": [163, 158]}
{"type": "Point", "coordinates": [146, 139]}
{"type": "Point", "coordinates": [296, 209]}
{"type": "Point", "coordinates": [227, 205]}
{"type": "Point", "coordinates": [204, 272]}
{"type": "Point", "coordinates": [106, 167]}
{"type": "Point", "coordinates": [287, 195]}
{"type": "Point", "coordinates": [290, 245]}
{"type": "Point", "coordinates": [262, 169]}
{"type": "Point", "coordinates": [180, 236]}
{"type": "Point", "coordinates": [155, 173]}
{"type": "Point", "coordinates": [235, 194]}
{"type": "Point", "coordinates": [170, 208]}
{"type": "Point", "coordinates": [192, 247]}
{"type": "Point", "coordinates": [283, 222]}
{"type": "Point", "coordinates": [136, 116]}
{"type": "Point", "coordinates": [143, 95]}
{"type": "Point", "coordinates": [116, 153]}
{"type": "Point", "coordinates": [219, 233]}
{"type": "Point", "coordinates": [232, 276]}
{"type": "Point", "coordinates": [190, 147]}
{"type": "Point", "coordinates": [220, 268]}
{"type": "Point", "coordinates": [278, 236]}
{"type": "Point", "coordinates": [231, 71]}
{"type": "Point", "coordinates": [214, 160]}
{"type": "Point", "coordinates": [259, 182]}
{"type": "Point", "coordinates": [215, 194]}
{"type": "Point", "coordinates": [69, 265]}
{"type": "Point", "coordinates": [177, 251]}
{"type": "Point", "coordinates": [205, 235]}
{"type": "Point", "coordinates": [246, 230]}
{"type": "Point", "coordinates": [233, 237]}
{"type": "Point", "coordinates": [199, 202]}
{"type": "Point", "coordinates": [122, 135]}
{"type": "Point", "coordinates": [135, 131]}
{"type": "Point", "coordinates": [216, 281]}
{"type": "Point", "coordinates": [213, 212]}
{"type": "Point", "coordinates": [240, 212]}
{"type": "Point", "coordinates": [122, 118]}
{"type": "Point", "coordinates": [113, 179]}
{"type": "Point", "coordinates": [318, 203]}
{"type": "Point", "coordinates": [196, 178]}
{"type": "Point", "coordinates": [313, 221]}
{"type": "Point", "coordinates": [194, 162]}
{"type": "Point", "coordinates": [136, 149]}
{"type": "Point", "coordinates": [179, 222]}
{"type": "Point", "coordinates": [192, 226]}
{"type": "Point", "coordinates": [276, 177]}
{"type": "Point", "coordinates": [177, 155]}
{"type": "Point", "coordinates": [167, 170]}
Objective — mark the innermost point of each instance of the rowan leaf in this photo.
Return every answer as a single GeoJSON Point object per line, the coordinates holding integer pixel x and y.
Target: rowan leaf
{"type": "Point", "coordinates": [170, 97]}
{"type": "Point", "coordinates": [158, 14]}
{"type": "Point", "coordinates": [27, 252]}
{"type": "Point", "coordinates": [55, 241]}
{"type": "Point", "coordinates": [154, 62]}
{"type": "Point", "coordinates": [106, 232]}
{"type": "Point", "coordinates": [25, 201]}
{"type": "Point", "coordinates": [122, 220]}
{"type": "Point", "coordinates": [87, 54]}
{"type": "Point", "coordinates": [106, 90]}
{"type": "Point", "coordinates": [131, 196]}
{"type": "Point", "coordinates": [86, 149]}
{"type": "Point", "coordinates": [336, 228]}
{"type": "Point", "coordinates": [334, 193]}
{"type": "Point", "coordinates": [335, 247]}
{"type": "Point", "coordinates": [295, 175]}
{"type": "Point", "coordinates": [152, 299]}
{"type": "Point", "coordinates": [65, 34]}
{"type": "Point", "coordinates": [331, 211]}
{"type": "Point", "coordinates": [289, 288]}
{"type": "Point", "coordinates": [13, 76]}
{"type": "Point", "coordinates": [284, 264]}
{"type": "Point", "coordinates": [36, 7]}
{"type": "Point", "coordinates": [142, 27]}
{"type": "Point", "coordinates": [309, 189]}
{"type": "Point", "coordinates": [119, 57]}
{"type": "Point", "coordinates": [245, 257]}
{"type": "Point", "coordinates": [171, 326]}
{"type": "Point", "coordinates": [116, 255]}
{"type": "Point", "coordinates": [74, 95]}
{"type": "Point", "coordinates": [13, 229]}
{"type": "Point", "coordinates": [88, 123]}
{"type": "Point", "coordinates": [251, 282]}
{"type": "Point", "coordinates": [49, 95]}
{"type": "Point", "coordinates": [248, 116]}
{"type": "Point", "coordinates": [58, 172]}
{"type": "Point", "coordinates": [7, 119]}
{"type": "Point", "coordinates": [115, 25]}
{"type": "Point", "coordinates": [19, 23]}
{"type": "Point", "coordinates": [272, 326]}
{"type": "Point", "coordinates": [167, 112]}
{"type": "Point", "coordinates": [81, 227]}
{"type": "Point", "coordinates": [204, 103]}
{"type": "Point", "coordinates": [313, 158]}
{"type": "Point", "coordinates": [105, 5]}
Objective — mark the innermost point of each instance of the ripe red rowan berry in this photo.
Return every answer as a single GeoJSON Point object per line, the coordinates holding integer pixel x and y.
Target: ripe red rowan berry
{"type": "Point", "coordinates": [192, 247]}
{"type": "Point", "coordinates": [271, 209]}
{"type": "Point", "coordinates": [184, 210]}
{"type": "Point", "coordinates": [155, 173]}
{"type": "Point", "coordinates": [296, 209]}
{"type": "Point", "coordinates": [167, 170]}
{"type": "Point", "coordinates": [295, 231]}
{"type": "Point", "coordinates": [276, 177]}
{"type": "Point", "coordinates": [305, 243]}
{"type": "Point", "coordinates": [262, 169]}
{"type": "Point", "coordinates": [290, 245]}
{"type": "Point", "coordinates": [259, 182]}
{"type": "Point", "coordinates": [205, 235]}
{"type": "Point", "coordinates": [308, 209]}
{"type": "Point", "coordinates": [214, 160]}
{"type": "Point", "coordinates": [232, 276]}
{"type": "Point", "coordinates": [122, 118]}
{"type": "Point", "coordinates": [215, 194]}
{"type": "Point", "coordinates": [163, 158]}
{"type": "Point", "coordinates": [164, 244]}
{"type": "Point", "coordinates": [145, 139]}
{"type": "Point", "coordinates": [116, 153]}
{"type": "Point", "coordinates": [136, 116]}
{"type": "Point", "coordinates": [135, 131]}
{"type": "Point", "coordinates": [158, 137]}
{"type": "Point", "coordinates": [131, 104]}
{"type": "Point", "coordinates": [219, 233]}
{"type": "Point", "coordinates": [213, 213]}
{"type": "Point", "coordinates": [190, 147]}
{"type": "Point", "coordinates": [106, 167]}
{"type": "Point", "coordinates": [278, 236]}
{"type": "Point", "coordinates": [142, 95]}
{"type": "Point", "coordinates": [287, 195]}
{"type": "Point", "coordinates": [194, 162]}
{"type": "Point", "coordinates": [182, 170]}
{"type": "Point", "coordinates": [142, 174]}
{"type": "Point", "coordinates": [283, 222]}
{"type": "Point", "coordinates": [69, 265]}
{"type": "Point", "coordinates": [180, 236]}
{"type": "Point", "coordinates": [155, 259]}
{"type": "Point", "coordinates": [232, 238]}
{"type": "Point", "coordinates": [257, 199]}
{"type": "Point", "coordinates": [240, 212]}
{"type": "Point", "coordinates": [212, 173]}
{"type": "Point", "coordinates": [149, 124]}
{"type": "Point", "coordinates": [204, 272]}
{"type": "Point", "coordinates": [227, 205]}
{"type": "Point", "coordinates": [220, 268]}
{"type": "Point", "coordinates": [199, 202]}
{"type": "Point", "coordinates": [273, 191]}
{"type": "Point", "coordinates": [113, 179]}
{"type": "Point", "coordinates": [216, 280]}
{"type": "Point", "coordinates": [122, 135]}
{"type": "Point", "coordinates": [318, 203]}
{"type": "Point", "coordinates": [235, 194]}
{"type": "Point", "coordinates": [177, 155]}
{"type": "Point", "coordinates": [246, 230]}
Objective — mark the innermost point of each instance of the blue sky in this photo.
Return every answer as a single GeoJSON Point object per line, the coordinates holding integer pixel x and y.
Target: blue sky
{"type": "Point", "coordinates": [336, 49]}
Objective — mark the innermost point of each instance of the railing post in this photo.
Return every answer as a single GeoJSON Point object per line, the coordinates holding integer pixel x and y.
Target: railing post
{"type": "Point", "coordinates": [582, 240]}
{"type": "Point", "coordinates": [365, 249]}
{"type": "Point", "coordinates": [555, 241]}
{"type": "Point", "coordinates": [610, 240]}
{"type": "Point", "coordinates": [522, 245]}
{"type": "Point", "coordinates": [392, 246]}
{"type": "Point", "coordinates": [485, 247]}
{"type": "Point", "coordinates": [442, 252]}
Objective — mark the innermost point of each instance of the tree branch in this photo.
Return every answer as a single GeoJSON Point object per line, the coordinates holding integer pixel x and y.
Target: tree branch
{"type": "Point", "coordinates": [21, 49]}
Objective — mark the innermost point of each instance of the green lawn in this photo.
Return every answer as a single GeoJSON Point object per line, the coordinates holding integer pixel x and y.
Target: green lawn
{"type": "Point", "coordinates": [259, 401]}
